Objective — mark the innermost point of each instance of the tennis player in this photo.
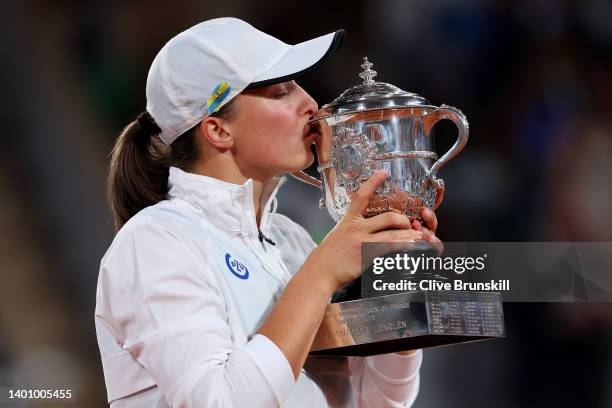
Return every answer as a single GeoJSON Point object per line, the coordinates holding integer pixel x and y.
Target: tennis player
{"type": "Point", "coordinates": [207, 297]}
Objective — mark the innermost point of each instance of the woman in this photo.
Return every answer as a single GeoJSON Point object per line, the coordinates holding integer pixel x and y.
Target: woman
{"type": "Point", "coordinates": [206, 296]}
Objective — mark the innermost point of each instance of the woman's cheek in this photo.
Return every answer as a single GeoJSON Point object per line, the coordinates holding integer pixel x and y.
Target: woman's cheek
{"type": "Point", "coordinates": [267, 148]}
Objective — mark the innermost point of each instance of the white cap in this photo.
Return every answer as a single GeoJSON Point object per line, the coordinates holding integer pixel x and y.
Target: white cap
{"type": "Point", "coordinates": [204, 67]}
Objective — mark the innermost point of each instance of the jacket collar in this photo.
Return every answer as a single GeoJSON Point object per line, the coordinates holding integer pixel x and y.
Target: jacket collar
{"type": "Point", "coordinates": [229, 207]}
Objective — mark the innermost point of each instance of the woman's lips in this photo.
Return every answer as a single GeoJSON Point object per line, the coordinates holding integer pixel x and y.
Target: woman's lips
{"type": "Point", "coordinates": [312, 132]}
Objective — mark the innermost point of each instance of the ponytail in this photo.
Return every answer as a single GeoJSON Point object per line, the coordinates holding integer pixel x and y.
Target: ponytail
{"type": "Point", "coordinates": [138, 171]}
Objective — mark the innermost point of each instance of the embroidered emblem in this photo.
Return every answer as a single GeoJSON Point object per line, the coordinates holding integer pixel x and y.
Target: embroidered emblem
{"type": "Point", "coordinates": [218, 95]}
{"type": "Point", "coordinates": [237, 268]}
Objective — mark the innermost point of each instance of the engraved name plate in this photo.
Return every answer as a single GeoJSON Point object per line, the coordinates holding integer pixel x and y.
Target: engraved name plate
{"type": "Point", "coordinates": [408, 321]}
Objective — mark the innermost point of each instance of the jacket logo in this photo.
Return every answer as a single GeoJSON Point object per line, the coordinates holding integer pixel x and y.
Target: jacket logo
{"type": "Point", "coordinates": [237, 268]}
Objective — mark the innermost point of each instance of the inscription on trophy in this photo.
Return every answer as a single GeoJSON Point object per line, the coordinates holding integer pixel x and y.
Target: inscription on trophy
{"type": "Point", "coordinates": [408, 321]}
{"type": "Point", "coordinates": [469, 313]}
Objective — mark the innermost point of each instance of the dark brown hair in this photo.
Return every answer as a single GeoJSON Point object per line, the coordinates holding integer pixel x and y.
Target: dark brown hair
{"type": "Point", "coordinates": [140, 163]}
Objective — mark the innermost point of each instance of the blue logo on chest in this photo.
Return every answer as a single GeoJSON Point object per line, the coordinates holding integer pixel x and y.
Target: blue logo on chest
{"type": "Point", "coordinates": [236, 268]}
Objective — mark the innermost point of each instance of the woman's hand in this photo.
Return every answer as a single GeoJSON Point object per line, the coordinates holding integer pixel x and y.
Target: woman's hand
{"type": "Point", "coordinates": [338, 257]}
{"type": "Point", "coordinates": [431, 224]}
{"type": "Point", "coordinates": [297, 315]}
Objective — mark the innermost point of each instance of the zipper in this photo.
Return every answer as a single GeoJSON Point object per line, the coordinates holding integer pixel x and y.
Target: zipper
{"type": "Point", "coordinates": [277, 256]}
{"type": "Point", "coordinates": [263, 238]}
{"type": "Point", "coordinates": [273, 202]}
{"type": "Point", "coordinates": [284, 276]}
{"type": "Point", "coordinates": [277, 273]}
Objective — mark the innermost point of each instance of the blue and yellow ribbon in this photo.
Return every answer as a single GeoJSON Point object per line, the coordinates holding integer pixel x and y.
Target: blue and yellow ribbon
{"type": "Point", "coordinates": [218, 95]}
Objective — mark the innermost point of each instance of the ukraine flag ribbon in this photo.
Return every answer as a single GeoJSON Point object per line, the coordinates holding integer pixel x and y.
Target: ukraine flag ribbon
{"type": "Point", "coordinates": [218, 95]}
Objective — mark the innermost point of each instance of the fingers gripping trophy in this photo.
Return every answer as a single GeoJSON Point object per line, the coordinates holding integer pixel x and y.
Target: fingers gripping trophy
{"type": "Point", "coordinates": [376, 126]}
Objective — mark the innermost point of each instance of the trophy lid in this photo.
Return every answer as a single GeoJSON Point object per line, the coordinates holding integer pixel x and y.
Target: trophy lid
{"type": "Point", "coordinates": [370, 95]}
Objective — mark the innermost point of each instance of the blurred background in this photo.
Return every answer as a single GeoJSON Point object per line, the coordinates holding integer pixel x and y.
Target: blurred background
{"type": "Point", "coordinates": [534, 79]}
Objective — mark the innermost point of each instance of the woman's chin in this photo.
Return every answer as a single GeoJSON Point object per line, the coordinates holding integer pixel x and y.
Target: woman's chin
{"type": "Point", "coordinates": [307, 162]}
{"type": "Point", "coordinates": [300, 163]}
{"type": "Point", "coordinates": [293, 166]}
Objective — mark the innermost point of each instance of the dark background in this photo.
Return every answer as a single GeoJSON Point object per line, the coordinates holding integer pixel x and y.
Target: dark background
{"type": "Point", "coordinates": [534, 79]}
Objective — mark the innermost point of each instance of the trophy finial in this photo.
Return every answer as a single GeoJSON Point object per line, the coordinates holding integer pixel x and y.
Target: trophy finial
{"type": "Point", "coordinates": [367, 74]}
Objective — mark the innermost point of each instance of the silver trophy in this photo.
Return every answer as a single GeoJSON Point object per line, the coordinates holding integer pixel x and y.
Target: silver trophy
{"type": "Point", "coordinates": [374, 126]}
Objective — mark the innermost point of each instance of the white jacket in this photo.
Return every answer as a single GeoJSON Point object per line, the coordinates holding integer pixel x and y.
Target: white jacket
{"type": "Point", "coordinates": [183, 288]}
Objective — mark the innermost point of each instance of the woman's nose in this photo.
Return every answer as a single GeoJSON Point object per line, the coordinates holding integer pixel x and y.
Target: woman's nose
{"type": "Point", "coordinates": [310, 105]}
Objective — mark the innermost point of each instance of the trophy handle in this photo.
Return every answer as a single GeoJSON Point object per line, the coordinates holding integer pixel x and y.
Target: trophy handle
{"type": "Point", "coordinates": [303, 177]}
{"type": "Point", "coordinates": [459, 119]}
{"type": "Point", "coordinates": [300, 175]}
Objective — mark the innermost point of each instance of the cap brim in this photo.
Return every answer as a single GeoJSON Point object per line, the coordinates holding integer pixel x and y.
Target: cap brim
{"type": "Point", "coordinates": [301, 59]}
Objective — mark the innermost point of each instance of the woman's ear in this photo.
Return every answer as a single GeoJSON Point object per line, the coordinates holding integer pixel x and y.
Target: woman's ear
{"type": "Point", "coordinates": [217, 132]}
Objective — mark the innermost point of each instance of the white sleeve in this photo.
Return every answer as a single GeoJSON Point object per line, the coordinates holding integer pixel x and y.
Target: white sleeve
{"type": "Point", "coordinates": [157, 294]}
{"type": "Point", "coordinates": [386, 380]}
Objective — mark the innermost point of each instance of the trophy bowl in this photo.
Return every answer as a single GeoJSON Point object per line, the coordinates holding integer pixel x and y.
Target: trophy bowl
{"type": "Point", "coordinates": [374, 126]}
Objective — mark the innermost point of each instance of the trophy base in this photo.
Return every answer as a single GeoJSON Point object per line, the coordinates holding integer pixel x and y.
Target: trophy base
{"type": "Point", "coordinates": [408, 321]}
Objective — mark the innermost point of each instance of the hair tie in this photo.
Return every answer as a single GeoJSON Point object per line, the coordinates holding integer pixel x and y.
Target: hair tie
{"type": "Point", "coordinates": [147, 124]}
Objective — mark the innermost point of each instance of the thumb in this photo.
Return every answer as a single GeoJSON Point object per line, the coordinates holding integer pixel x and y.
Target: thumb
{"type": "Point", "coordinates": [360, 198]}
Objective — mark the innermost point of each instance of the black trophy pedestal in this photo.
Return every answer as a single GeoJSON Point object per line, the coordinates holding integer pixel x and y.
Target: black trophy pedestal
{"type": "Point", "coordinates": [407, 321]}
